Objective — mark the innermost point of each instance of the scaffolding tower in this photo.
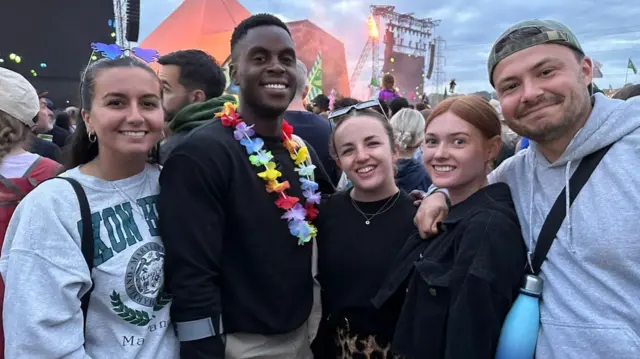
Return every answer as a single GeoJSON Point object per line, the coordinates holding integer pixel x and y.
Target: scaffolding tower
{"type": "Point", "coordinates": [416, 30]}
{"type": "Point", "coordinates": [439, 82]}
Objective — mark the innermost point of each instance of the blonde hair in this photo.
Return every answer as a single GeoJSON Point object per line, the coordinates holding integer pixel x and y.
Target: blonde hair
{"type": "Point", "coordinates": [12, 134]}
{"type": "Point", "coordinates": [408, 128]}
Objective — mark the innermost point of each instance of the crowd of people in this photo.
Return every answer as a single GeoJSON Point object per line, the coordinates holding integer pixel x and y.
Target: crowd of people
{"type": "Point", "coordinates": [165, 218]}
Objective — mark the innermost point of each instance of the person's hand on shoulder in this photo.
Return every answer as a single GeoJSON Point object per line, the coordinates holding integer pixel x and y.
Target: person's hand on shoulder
{"type": "Point", "coordinates": [432, 211]}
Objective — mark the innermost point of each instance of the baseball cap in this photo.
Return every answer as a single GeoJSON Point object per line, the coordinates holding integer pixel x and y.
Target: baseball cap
{"type": "Point", "coordinates": [548, 31]}
{"type": "Point", "coordinates": [18, 97]}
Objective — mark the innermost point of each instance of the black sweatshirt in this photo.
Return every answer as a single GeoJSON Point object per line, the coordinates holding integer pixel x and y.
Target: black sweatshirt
{"type": "Point", "coordinates": [229, 255]}
{"type": "Point", "coordinates": [353, 260]}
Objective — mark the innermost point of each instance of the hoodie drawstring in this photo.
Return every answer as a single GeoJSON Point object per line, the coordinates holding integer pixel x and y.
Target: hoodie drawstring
{"type": "Point", "coordinates": [531, 248]}
{"type": "Point", "coordinates": [567, 203]}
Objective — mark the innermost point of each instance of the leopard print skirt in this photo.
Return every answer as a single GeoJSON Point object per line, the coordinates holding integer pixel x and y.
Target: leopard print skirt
{"type": "Point", "coordinates": [357, 346]}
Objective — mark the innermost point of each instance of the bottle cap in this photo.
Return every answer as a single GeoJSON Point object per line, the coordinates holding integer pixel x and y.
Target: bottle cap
{"type": "Point", "coordinates": [532, 284]}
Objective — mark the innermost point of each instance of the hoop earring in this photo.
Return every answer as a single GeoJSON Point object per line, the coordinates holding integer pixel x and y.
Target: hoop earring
{"type": "Point", "coordinates": [92, 139]}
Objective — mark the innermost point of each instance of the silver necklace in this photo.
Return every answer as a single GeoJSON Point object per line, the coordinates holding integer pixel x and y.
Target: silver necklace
{"type": "Point", "coordinates": [125, 196]}
{"type": "Point", "coordinates": [369, 216]}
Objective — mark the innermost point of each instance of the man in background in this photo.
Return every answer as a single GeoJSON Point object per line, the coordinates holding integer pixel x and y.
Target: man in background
{"type": "Point", "coordinates": [43, 124]}
{"type": "Point", "coordinates": [312, 127]}
{"type": "Point", "coordinates": [320, 105]}
{"type": "Point", "coordinates": [188, 77]}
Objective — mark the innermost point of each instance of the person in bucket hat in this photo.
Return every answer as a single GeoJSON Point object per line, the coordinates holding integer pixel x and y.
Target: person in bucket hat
{"type": "Point", "coordinates": [542, 77]}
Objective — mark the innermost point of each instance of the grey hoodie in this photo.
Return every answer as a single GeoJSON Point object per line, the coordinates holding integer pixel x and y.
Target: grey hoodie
{"type": "Point", "coordinates": [590, 305]}
{"type": "Point", "coordinates": [46, 275]}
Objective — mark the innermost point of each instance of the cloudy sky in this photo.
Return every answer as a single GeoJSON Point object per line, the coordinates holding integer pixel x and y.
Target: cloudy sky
{"type": "Point", "coordinates": [608, 33]}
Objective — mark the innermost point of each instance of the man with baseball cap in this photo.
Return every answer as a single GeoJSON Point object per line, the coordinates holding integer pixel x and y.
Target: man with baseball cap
{"type": "Point", "coordinates": [590, 307]}
{"type": "Point", "coordinates": [19, 99]}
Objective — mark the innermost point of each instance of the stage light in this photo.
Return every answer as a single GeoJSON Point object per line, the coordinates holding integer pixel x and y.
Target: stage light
{"type": "Point", "coordinates": [113, 34]}
{"type": "Point", "coordinates": [34, 73]}
{"type": "Point", "coordinates": [18, 59]}
{"type": "Point", "coordinates": [43, 65]}
{"type": "Point", "coordinates": [94, 57]}
{"type": "Point", "coordinates": [110, 23]}
{"type": "Point", "coordinates": [1, 61]}
{"type": "Point", "coordinates": [392, 59]}
{"type": "Point", "coordinates": [12, 57]}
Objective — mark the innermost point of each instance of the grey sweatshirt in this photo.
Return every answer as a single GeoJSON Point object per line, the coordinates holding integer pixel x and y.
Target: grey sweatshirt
{"type": "Point", "coordinates": [590, 305]}
{"type": "Point", "coordinates": [46, 275]}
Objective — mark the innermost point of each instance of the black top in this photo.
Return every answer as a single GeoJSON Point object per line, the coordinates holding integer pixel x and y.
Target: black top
{"type": "Point", "coordinates": [167, 146]}
{"type": "Point", "coordinates": [462, 283]}
{"type": "Point", "coordinates": [60, 136]}
{"type": "Point", "coordinates": [229, 254]}
{"type": "Point", "coordinates": [316, 130]}
{"type": "Point", "coordinates": [46, 149]}
{"type": "Point", "coordinates": [353, 259]}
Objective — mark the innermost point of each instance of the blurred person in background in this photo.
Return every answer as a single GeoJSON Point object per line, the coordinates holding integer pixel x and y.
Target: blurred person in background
{"type": "Point", "coordinates": [320, 105]}
{"type": "Point", "coordinates": [397, 104]}
{"type": "Point", "coordinates": [190, 78]}
{"type": "Point", "coordinates": [627, 92]}
{"type": "Point", "coordinates": [20, 171]}
{"type": "Point", "coordinates": [388, 91]}
{"type": "Point", "coordinates": [313, 128]}
{"type": "Point", "coordinates": [408, 131]}
{"type": "Point", "coordinates": [73, 116]}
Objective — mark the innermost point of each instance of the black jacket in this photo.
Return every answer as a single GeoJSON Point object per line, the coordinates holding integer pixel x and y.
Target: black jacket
{"type": "Point", "coordinates": [461, 284]}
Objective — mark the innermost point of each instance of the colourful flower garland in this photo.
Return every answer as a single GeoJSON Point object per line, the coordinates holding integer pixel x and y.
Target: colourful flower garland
{"type": "Point", "coordinates": [299, 217]}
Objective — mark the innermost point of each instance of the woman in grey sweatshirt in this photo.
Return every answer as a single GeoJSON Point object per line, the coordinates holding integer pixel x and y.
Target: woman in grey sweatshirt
{"type": "Point", "coordinates": [42, 264]}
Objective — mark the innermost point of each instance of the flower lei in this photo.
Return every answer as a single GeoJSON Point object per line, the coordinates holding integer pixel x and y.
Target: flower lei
{"type": "Point", "coordinates": [299, 217]}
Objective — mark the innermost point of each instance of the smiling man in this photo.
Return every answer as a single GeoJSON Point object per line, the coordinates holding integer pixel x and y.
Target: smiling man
{"type": "Point", "coordinates": [590, 306]}
{"type": "Point", "coordinates": [237, 265]}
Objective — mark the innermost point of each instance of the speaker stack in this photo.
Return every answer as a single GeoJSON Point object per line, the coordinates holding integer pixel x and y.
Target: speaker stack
{"type": "Point", "coordinates": [133, 20]}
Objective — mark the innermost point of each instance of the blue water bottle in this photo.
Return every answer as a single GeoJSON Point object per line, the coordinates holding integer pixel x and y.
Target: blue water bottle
{"type": "Point", "coordinates": [519, 333]}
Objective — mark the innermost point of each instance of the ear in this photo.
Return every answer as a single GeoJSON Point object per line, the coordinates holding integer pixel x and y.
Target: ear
{"type": "Point", "coordinates": [305, 92]}
{"type": "Point", "coordinates": [493, 148]}
{"type": "Point", "coordinates": [586, 68]}
{"type": "Point", "coordinates": [198, 96]}
{"type": "Point", "coordinates": [233, 73]}
{"type": "Point", "coordinates": [86, 117]}
{"type": "Point", "coordinates": [339, 163]}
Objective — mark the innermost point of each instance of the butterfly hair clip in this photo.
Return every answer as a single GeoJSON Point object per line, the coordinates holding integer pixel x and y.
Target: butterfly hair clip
{"type": "Point", "coordinates": [114, 51]}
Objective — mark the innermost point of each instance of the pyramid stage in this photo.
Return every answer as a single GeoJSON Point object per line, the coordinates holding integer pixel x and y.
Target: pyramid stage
{"type": "Point", "coordinates": [208, 24]}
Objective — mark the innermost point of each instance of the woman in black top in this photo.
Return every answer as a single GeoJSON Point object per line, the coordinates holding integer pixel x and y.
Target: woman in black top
{"type": "Point", "coordinates": [462, 282]}
{"type": "Point", "coordinates": [361, 231]}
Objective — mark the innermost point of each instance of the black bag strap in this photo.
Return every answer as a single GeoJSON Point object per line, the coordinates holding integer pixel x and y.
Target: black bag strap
{"type": "Point", "coordinates": [558, 211]}
{"type": "Point", "coordinates": [87, 244]}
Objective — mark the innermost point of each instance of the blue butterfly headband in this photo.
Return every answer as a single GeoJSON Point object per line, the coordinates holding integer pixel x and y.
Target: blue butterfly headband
{"type": "Point", "coordinates": [113, 51]}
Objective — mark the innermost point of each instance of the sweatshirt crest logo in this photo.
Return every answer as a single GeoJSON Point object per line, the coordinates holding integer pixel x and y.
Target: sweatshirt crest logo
{"type": "Point", "coordinates": [144, 281]}
{"type": "Point", "coordinates": [145, 274]}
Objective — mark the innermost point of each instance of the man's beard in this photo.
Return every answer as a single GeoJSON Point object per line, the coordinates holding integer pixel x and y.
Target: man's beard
{"type": "Point", "coordinates": [548, 132]}
{"type": "Point", "coordinates": [170, 114]}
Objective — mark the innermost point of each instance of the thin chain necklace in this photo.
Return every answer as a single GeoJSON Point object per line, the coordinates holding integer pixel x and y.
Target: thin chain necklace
{"type": "Point", "coordinates": [369, 216]}
{"type": "Point", "coordinates": [125, 196]}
